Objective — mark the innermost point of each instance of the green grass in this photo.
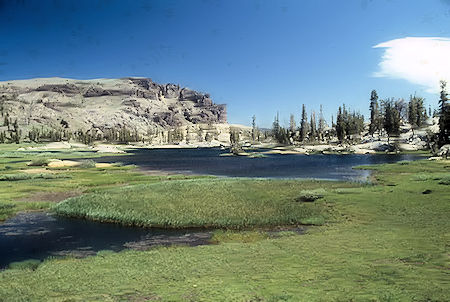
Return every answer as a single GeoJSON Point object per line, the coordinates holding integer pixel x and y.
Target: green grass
{"type": "Point", "coordinates": [31, 264]}
{"type": "Point", "coordinates": [25, 176]}
{"type": "Point", "coordinates": [232, 203]}
{"type": "Point", "coordinates": [19, 188]}
{"type": "Point", "coordinates": [383, 242]}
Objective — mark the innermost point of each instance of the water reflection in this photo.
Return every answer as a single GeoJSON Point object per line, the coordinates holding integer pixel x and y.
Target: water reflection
{"type": "Point", "coordinates": [40, 235]}
{"type": "Point", "coordinates": [208, 161]}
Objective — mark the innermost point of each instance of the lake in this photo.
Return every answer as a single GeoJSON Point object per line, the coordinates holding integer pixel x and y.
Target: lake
{"type": "Point", "coordinates": [208, 161]}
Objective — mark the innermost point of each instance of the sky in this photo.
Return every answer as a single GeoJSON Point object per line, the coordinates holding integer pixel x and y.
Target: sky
{"type": "Point", "coordinates": [258, 57]}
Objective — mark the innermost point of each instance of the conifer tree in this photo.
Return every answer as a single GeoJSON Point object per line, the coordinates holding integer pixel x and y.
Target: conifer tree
{"type": "Point", "coordinates": [412, 113]}
{"type": "Point", "coordinates": [391, 118]}
{"type": "Point", "coordinates": [304, 124]}
{"type": "Point", "coordinates": [313, 126]}
{"type": "Point", "coordinates": [444, 116]}
{"type": "Point", "coordinates": [322, 123]}
{"type": "Point", "coordinates": [340, 125]}
{"type": "Point", "coordinates": [276, 126]}
{"type": "Point", "coordinates": [421, 112]}
{"type": "Point", "coordinates": [374, 113]}
{"type": "Point", "coordinates": [292, 125]}
{"type": "Point", "coordinates": [254, 129]}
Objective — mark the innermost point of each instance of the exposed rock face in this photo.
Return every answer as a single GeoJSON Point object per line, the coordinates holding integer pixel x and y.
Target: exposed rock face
{"type": "Point", "coordinates": [137, 103]}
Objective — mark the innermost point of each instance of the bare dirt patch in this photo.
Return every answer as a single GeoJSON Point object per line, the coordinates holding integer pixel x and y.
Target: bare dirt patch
{"type": "Point", "coordinates": [56, 163]}
{"type": "Point", "coordinates": [104, 165]}
{"type": "Point", "coordinates": [37, 171]}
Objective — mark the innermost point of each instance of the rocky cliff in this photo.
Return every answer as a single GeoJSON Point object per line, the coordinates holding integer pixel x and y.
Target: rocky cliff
{"type": "Point", "coordinates": [104, 104]}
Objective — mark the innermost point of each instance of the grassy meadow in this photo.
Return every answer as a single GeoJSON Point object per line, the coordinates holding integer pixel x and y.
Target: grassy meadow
{"type": "Point", "coordinates": [209, 203]}
{"type": "Point", "coordinates": [383, 242]}
{"type": "Point", "coordinates": [38, 187]}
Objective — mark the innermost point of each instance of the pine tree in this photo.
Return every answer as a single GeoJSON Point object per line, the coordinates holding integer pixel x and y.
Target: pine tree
{"type": "Point", "coordinates": [355, 123]}
{"type": "Point", "coordinates": [417, 113]}
{"type": "Point", "coordinates": [279, 133]}
{"type": "Point", "coordinates": [391, 119]}
{"type": "Point", "coordinates": [374, 113]}
{"type": "Point", "coordinates": [412, 113]}
{"type": "Point", "coordinates": [254, 128]}
{"type": "Point", "coordinates": [276, 126]}
{"type": "Point", "coordinates": [313, 126]}
{"type": "Point", "coordinates": [421, 112]}
{"type": "Point", "coordinates": [322, 124]}
{"type": "Point", "coordinates": [292, 125]}
{"type": "Point", "coordinates": [444, 116]}
{"type": "Point", "coordinates": [304, 124]}
{"type": "Point", "coordinates": [340, 125]}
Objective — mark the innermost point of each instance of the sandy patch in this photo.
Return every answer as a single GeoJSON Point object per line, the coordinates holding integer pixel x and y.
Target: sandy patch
{"type": "Point", "coordinates": [56, 163]}
{"type": "Point", "coordinates": [56, 146]}
{"type": "Point", "coordinates": [108, 149]}
{"type": "Point", "coordinates": [37, 171]}
{"type": "Point", "coordinates": [103, 165]}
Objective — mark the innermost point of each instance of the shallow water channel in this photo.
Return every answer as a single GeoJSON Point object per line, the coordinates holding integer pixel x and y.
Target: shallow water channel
{"type": "Point", "coordinates": [40, 235]}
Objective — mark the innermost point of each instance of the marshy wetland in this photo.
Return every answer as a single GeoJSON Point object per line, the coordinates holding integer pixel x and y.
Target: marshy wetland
{"type": "Point", "coordinates": [381, 240]}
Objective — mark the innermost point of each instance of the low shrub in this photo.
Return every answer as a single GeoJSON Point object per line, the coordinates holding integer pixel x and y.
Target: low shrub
{"type": "Point", "coordinates": [445, 180]}
{"type": "Point", "coordinates": [422, 177]}
{"type": "Point", "coordinates": [38, 162]}
{"type": "Point", "coordinates": [310, 195]}
{"type": "Point", "coordinates": [86, 164]}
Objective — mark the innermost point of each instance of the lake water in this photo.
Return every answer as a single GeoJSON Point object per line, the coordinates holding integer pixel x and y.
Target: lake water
{"type": "Point", "coordinates": [41, 235]}
{"type": "Point", "coordinates": [208, 161]}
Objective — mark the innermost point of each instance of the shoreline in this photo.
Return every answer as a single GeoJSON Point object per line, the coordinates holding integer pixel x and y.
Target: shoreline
{"type": "Point", "coordinates": [379, 147]}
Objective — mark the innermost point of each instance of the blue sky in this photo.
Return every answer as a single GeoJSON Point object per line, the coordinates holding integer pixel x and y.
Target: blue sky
{"type": "Point", "coordinates": [258, 57]}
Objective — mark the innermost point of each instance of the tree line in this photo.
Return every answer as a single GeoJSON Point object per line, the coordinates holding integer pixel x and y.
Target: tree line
{"type": "Point", "coordinates": [386, 118]}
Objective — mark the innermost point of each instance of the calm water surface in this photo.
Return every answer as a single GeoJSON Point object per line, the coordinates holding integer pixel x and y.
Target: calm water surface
{"type": "Point", "coordinates": [39, 235]}
{"type": "Point", "coordinates": [208, 161]}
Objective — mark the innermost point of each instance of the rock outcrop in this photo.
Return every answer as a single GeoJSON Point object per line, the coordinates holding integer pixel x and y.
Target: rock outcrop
{"type": "Point", "coordinates": [103, 104]}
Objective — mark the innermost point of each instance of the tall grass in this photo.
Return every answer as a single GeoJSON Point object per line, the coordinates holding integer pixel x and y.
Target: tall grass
{"type": "Point", "coordinates": [27, 176]}
{"type": "Point", "coordinates": [234, 203]}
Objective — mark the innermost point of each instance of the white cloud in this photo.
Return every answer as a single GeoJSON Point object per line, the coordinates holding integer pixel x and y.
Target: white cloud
{"type": "Point", "coordinates": [422, 61]}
